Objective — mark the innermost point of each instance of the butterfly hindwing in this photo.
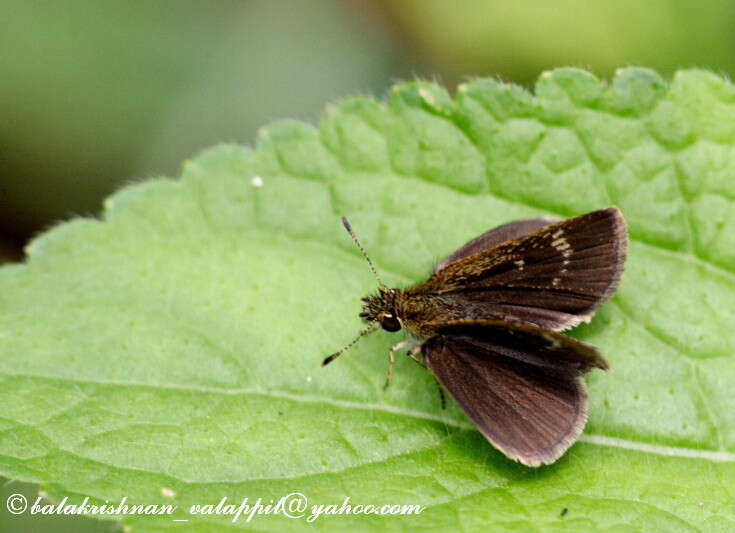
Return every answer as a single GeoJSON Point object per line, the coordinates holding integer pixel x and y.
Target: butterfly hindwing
{"type": "Point", "coordinates": [527, 343]}
{"type": "Point", "coordinates": [521, 386]}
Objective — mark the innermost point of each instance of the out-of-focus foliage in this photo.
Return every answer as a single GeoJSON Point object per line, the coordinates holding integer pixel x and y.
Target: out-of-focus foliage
{"type": "Point", "coordinates": [7, 253]}
{"type": "Point", "coordinates": [517, 40]}
{"type": "Point", "coordinates": [97, 93]}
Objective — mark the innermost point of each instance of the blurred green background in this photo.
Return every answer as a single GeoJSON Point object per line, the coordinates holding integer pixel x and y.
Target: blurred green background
{"type": "Point", "coordinates": [94, 94]}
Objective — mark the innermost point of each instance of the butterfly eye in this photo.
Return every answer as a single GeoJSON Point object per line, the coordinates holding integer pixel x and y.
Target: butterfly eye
{"type": "Point", "coordinates": [390, 323]}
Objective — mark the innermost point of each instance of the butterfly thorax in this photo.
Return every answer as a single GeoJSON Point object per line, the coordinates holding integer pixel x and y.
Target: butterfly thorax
{"type": "Point", "coordinates": [420, 313]}
{"type": "Point", "coordinates": [417, 311]}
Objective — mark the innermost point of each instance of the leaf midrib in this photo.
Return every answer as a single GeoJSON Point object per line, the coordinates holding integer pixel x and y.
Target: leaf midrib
{"type": "Point", "coordinates": [689, 453]}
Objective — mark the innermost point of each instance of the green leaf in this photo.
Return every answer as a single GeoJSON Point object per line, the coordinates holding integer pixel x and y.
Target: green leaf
{"type": "Point", "coordinates": [176, 343]}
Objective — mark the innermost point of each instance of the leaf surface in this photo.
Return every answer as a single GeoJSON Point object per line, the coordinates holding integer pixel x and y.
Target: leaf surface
{"type": "Point", "coordinates": [174, 346]}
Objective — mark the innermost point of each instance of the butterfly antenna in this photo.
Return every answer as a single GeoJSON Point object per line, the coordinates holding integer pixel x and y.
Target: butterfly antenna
{"type": "Point", "coordinates": [369, 329]}
{"type": "Point", "coordinates": [348, 227]}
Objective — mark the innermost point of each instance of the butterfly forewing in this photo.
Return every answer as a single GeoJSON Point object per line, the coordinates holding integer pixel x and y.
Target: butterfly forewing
{"type": "Point", "coordinates": [490, 239]}
{"type": "Point", "coordinates": [554, 277]}
{"type": "Point", "coordinates": [523, 390]}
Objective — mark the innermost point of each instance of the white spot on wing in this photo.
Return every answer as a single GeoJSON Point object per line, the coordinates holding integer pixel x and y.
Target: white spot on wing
{"type": "Point", "coordinates": [560, 244]}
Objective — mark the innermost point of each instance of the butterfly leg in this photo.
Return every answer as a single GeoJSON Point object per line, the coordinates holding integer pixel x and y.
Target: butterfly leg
{"type": "Point", "coordinates": [442, 397]}
{"type": "Point", "coordinates": [392, 358]}
{"type": "Point", "coordinates": [412, 353]}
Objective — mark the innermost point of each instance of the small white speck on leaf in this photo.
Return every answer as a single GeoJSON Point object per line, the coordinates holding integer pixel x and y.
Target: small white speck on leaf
{"type": "Point", "coordinates": [308, 379]}
{"type": "Point", "coordinates": [167, 492]}
{"type": "Point", "coordinates": [256, 181]}
{"type": "Point", "coordinates": [427, 96]}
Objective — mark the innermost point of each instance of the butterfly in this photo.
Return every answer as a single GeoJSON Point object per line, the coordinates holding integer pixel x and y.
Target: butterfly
{"type": "Point", "coordinates": [487, 324]}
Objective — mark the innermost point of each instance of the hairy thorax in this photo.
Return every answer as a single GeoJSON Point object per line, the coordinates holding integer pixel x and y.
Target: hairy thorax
{"type": "Point", "coordinates": [421, 313]}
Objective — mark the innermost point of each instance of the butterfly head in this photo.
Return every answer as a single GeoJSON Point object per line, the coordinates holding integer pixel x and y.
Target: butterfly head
{"type": "Point", "coordinates": [381, 308]}
{"type": "Point", "coordinates": [376, 309]}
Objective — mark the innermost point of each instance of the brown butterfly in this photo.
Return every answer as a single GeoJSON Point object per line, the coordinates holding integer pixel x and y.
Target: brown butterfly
{"type": "Point", "coordinates": [487, 324]}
